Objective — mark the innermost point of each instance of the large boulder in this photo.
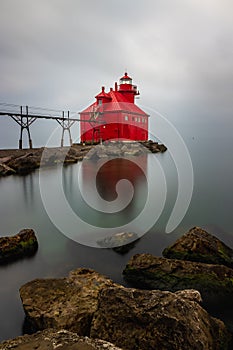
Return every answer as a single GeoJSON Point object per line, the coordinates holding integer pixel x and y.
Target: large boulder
{"type": "Point", "coordinates": [215, 282]}
{"type": "Point", "coordinates": [149, 320]}
{"type": "Point", "coordinates": [199, 245]}
{"type": "Point", "coordinates": [51, 340]}
{"type": "Point", "coordinates": [66, 303]}
{"type": "Point", "coordinates": [18, 246]}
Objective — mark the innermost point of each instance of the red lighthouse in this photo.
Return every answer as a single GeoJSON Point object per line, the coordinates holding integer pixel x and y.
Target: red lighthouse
{"type": "Point", "coordinates": [114, 115]}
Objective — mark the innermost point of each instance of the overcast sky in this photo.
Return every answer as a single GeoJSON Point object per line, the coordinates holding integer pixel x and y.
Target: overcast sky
{"type": "Point", "coordinates": [58, 54]}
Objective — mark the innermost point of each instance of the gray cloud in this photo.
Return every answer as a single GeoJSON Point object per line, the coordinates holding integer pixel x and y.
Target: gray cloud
{"type": "Point", "coordinates": [58, 53]}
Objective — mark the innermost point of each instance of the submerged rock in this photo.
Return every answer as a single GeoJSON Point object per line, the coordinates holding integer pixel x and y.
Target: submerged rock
{"type": "Point", "coordinates": [51, 340]}
{"type": "Point", "coordinates": [65, 303]}
{"type": "Point", "coordinates": [18, 246]}
{"type": "Point", "coordinates": [199, 245]}
{"type": "Point", "coordinates": [215, 282]}
{"type": "Point", "coordinates": [124, 249]}
{"type": "Point", "coordinates": [120, 242]}
{"type": "Point", "coordinates": [149, 320]}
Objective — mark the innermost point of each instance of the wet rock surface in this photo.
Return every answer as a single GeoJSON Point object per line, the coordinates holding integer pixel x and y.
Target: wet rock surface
{"type": "Point", "coordinates": [215, 282]}
{"type": "Point", "coordinates": [199, 245]}
{"type": "Point", "coordinates": [143, 319]}
{"type": "Point", "coordinates": [18, 246]}
{"type": "Point", "coordinates": [66, 303]}
{"type": "Point", "coordinates": [51, 340]}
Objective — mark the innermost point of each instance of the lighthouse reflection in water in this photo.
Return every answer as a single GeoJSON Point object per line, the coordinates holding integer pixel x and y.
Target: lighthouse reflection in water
{"type": "Point", "coordinates": [111, 194]}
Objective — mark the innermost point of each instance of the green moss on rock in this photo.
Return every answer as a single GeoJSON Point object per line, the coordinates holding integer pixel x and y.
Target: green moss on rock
{"type": "Point", "coordinates": [199, 245]}
{"type": "Point", "coordinates": [215, 282]}
{"type": "Point", "coordinates": [23, 244]}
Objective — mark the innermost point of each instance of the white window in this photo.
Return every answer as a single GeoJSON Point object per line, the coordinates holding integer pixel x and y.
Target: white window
{"type": "Point", "coordinates": [100, 102]}
{"type": "Point", "coordinates": [139, 120]}
{"type": "Point", "coordinates": [126, 117]}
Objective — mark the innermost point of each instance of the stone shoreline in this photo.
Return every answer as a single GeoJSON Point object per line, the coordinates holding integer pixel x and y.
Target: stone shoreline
{"type": "Point", "coordinates": [22, 162]}
{"type": "Point", "coordinates": [164, 309]}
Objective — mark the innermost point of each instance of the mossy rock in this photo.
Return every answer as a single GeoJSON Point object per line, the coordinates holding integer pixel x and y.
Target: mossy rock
{"type": "Point", "coordinates": [199, 245]}
{"type": "Point", "coordinates": [214, 282]}
{"type": "Point", "coordinates": [18, 246]}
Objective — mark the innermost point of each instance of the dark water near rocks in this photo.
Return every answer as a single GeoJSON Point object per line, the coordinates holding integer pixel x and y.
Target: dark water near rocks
{"type": "Point", "coordinates": [21, 207]}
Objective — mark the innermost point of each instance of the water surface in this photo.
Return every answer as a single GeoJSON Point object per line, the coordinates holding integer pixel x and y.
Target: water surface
{"type": "Point", "coordinates": [21, 206]}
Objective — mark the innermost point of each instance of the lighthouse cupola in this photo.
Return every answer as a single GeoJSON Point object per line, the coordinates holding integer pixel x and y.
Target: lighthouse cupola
{"type": "Point", "coordinates": [127, 88]}
{"type": "Point", "coordinates": [126, 79]}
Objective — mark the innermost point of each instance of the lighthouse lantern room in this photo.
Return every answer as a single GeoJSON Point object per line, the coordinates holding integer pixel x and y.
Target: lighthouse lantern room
{"type": "Point", "coordinates": [114, 115]}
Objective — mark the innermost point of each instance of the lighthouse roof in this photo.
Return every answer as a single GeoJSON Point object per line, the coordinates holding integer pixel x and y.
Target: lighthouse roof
{"type": "Point", "coordinates": [126, 77]}
{"type": "Point", "coordinates": [118, 103]}
{"type": "Point", "coordinates": [103, 94]}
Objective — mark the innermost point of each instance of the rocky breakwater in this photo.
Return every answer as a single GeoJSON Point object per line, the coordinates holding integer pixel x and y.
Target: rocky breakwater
{"type": "Point", "coordinates": [213, 280]}
{"type": "Point", "coordinates": [124, 149]}
{"type": "Point", "coordinates": [89, 304]}
{"type": "Point", "coordinates": [18, 246]}
{"type": "Point", "coordinates": [23, 162]}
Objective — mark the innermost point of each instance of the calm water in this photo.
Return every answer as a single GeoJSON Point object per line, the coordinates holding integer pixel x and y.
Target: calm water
{"type": "Point", "coordinates": [21, 207]}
